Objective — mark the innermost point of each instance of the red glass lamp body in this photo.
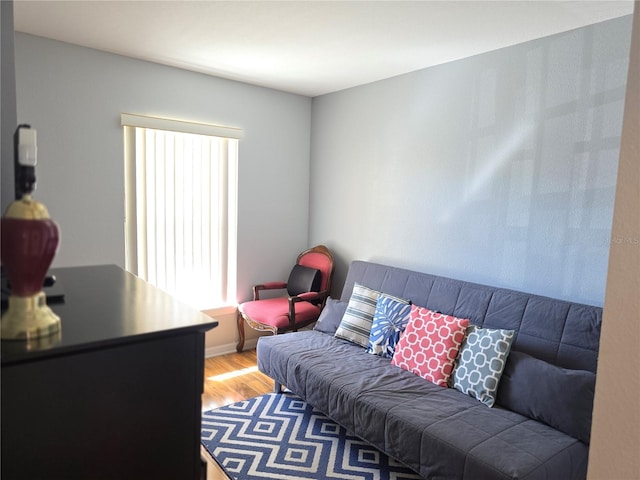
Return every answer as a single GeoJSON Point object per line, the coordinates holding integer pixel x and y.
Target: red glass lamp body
{"type": "Point", "coordinates": [29, 242]}
{"type": "Point", "coordinates": [28, 248]}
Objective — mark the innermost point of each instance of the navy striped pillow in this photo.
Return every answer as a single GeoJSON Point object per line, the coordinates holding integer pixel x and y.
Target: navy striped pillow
{"type": "Point", "coordinates": [356, 322]}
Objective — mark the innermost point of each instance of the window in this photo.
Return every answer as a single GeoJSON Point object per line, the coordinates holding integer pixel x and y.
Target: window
{"type": "Point", "coordinates": [181, 208]}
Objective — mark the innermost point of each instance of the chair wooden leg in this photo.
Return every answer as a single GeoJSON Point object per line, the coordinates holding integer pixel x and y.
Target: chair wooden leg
{"type": "Point", "coordinates": [240, 344]}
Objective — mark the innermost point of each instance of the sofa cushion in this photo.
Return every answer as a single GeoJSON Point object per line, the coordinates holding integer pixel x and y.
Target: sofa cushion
{"type": "Point", "coordinates": [567, 337]}
{"type": "Point", "coordinates": [331, 316]}
{"type": "Point", "coordinates": [559, 397]}
{"type": "Point", "coordinates": [481, 361]}
{"type": "Point", "coordinates": [430, 344]}
{"type": "Point", "coordinates": [356, 322]}
{"type": "Point", "coordinates": [439, 432]}
{"type": "Point", "coordinates": [389, 321]}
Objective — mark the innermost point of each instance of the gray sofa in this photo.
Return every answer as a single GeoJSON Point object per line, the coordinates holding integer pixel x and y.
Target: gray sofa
{"type": "Point", "coordinates": [539, 427]}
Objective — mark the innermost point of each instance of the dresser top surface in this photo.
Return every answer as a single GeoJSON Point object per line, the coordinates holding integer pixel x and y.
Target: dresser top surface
{"type": "Point", "coordinates": [104, 306]}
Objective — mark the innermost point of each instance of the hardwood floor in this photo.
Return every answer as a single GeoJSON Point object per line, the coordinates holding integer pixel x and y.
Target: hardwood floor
{"type": "Point", "coordinates": [228, 379]}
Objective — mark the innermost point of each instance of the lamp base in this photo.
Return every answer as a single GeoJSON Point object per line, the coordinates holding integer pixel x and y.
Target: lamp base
{"type": "Point", "coordinates": [28, 318]}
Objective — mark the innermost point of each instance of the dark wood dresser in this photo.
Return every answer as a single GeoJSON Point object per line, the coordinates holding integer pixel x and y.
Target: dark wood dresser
{"type": "Point", "coordinates": [117, 395]}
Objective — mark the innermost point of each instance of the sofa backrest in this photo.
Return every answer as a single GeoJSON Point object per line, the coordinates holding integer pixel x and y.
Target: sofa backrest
{"type": "Point", "coordinates": [562, 333]}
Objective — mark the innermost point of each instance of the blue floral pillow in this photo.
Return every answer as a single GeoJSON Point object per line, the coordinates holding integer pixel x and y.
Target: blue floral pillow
{"type": "Point", "coordinates": [389, 321]}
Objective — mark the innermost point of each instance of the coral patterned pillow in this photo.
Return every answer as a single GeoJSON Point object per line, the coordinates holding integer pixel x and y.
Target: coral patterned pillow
{"type": "Point", "coordinates": [430, 344]}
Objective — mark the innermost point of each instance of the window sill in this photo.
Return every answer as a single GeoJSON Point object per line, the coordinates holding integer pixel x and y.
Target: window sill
{"type": "Point", "coordinates": [219, 311]}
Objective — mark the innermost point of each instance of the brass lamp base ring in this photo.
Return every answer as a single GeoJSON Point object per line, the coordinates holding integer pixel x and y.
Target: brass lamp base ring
{"type": "Point", "coordinates": [28, 318]}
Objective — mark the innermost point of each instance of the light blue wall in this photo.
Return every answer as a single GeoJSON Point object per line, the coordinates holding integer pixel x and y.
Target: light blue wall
{"type": "Point", "coordinates": [8, 92]}
{"type": "Point", "coordinates": [74, 96]}
{"type": "Point", "coordinates": [498, 169]}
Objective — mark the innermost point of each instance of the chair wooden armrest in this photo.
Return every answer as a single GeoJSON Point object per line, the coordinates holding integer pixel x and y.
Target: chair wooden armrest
{"type": "Point", "coordinates": [267, 286]}
{"type": "Point", "coordinates": [312, 297]}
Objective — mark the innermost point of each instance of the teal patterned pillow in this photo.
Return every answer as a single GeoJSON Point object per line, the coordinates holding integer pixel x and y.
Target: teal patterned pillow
{"type": "Point", "coordinates": [389, 321]}
{"type": "Point", "coordinates": [356, 322]}
{"type": "Point", "coordinates": [481, 361]}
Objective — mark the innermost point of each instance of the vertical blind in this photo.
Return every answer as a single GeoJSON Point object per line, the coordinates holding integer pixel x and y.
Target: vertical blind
{"type": "Point", "coordinates": [181, 208]}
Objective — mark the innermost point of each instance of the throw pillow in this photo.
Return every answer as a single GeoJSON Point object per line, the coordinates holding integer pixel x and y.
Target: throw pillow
{"type": "Point", "coordinates": [560, 397]}
{"type": "Point", "coordinates": [356, 322]}
{"type": "Point", "coordinates": [389, 321]}
{"type": "Point", "coordinates": [303, 279]}
{"type": "Point", "coordinates": [430, 344]}
{"type": "Point", "coordinates": [331, 316]}
{"type": "Point", "coordinates": [481, 361]}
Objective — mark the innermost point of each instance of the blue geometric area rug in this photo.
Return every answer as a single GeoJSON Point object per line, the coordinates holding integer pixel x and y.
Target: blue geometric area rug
{"type": "Point", "coordinates": [279, 436]}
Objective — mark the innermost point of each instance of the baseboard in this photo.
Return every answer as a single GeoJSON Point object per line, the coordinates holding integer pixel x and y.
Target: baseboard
{"type": "Point", "coordinates": [229, 348]}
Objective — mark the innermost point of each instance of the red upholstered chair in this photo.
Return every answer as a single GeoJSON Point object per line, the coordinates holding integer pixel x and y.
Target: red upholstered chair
{"type": "Point", "coordinates": [307, 289]}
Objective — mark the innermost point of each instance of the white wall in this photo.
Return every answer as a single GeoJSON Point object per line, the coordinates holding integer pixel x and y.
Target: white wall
{"type": "Point", "coordinates": [615, 436]}
{"type": "Point", "coordinates": [74, 96]}
{"type": "Point", "coordinates": [498, 168]}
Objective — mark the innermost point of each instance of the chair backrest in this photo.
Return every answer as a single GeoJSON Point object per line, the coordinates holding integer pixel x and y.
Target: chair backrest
{"type": "Point", "coordinates": [321, 258]}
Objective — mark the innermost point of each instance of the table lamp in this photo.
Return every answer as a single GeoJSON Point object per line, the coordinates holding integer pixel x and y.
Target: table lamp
{"type": "Point", "coordinates": [29, 242]}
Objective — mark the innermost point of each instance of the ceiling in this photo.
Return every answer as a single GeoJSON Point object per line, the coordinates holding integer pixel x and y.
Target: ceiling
{"type": "Point", "coordinates": [305, 47]}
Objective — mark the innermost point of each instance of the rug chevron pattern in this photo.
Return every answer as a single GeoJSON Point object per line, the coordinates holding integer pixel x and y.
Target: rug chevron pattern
{"type": "Point", "coordinates": [279, 436]}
